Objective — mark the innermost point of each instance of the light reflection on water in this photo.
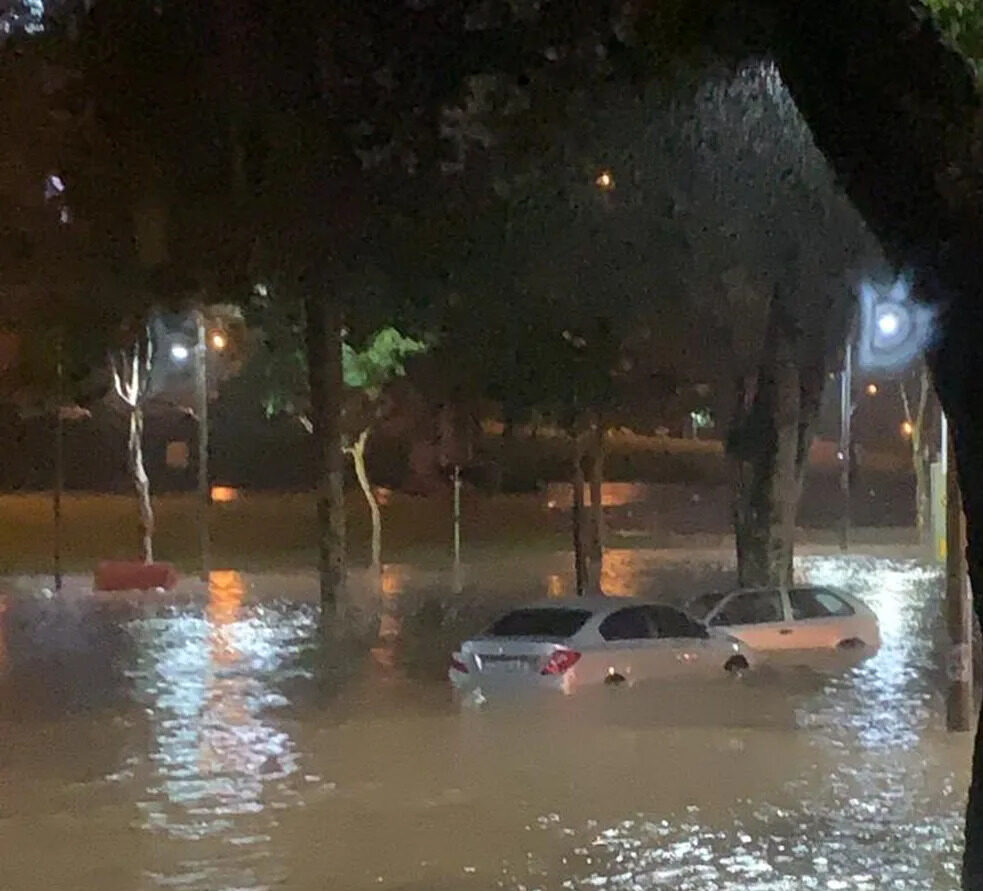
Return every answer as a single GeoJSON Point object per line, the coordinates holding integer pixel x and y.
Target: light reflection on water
{"type": "Point", "coordinates": [252, 757]}
{"type": "Point", "coordinates": [217, 761]}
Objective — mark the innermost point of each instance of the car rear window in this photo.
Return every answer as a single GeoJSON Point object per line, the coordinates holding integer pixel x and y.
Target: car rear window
{"type": "Point", "coordinates": [701, 607]}
{"type": "Point", "coordinates": [543, 622]}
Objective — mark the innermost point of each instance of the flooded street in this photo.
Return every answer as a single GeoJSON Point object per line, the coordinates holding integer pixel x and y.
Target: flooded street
{"type": "Point", "coordinates": [214, 744]}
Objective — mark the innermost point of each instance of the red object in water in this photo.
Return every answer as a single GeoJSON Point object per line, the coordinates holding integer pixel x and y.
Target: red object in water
{"type": "Point", "coordinates": [561, 661]}
{"type": "Point", "coordinates": [132, 575]}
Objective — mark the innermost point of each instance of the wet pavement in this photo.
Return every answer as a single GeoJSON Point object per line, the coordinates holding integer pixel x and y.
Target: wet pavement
{"type": "Point", "coordinates": [210, 741]}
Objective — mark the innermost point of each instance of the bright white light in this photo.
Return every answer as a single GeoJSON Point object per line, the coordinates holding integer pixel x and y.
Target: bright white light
{"type": "Point", "coordinates": [889, 323]}
{"type": "Point", "coordinates": [179, 352]}
{"type": "Point", "coordinates": [894, 327]}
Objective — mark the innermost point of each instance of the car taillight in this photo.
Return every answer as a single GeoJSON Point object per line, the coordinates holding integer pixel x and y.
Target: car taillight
{"type": "Point", "coordinates": [560, 661]}
{"type": "Point", "coordinates": [458, 665]}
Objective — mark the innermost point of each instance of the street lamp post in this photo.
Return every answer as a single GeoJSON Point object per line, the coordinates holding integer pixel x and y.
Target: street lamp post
{"type": "Point", "coordinates": [845, 450]}
{"type": "Point", "coordinates": [457, 581]}
{"type": "Point", "coordinates": [894, 330]}
{"type": "Point", "coordinates": [181, 351]}
{"type": "Point", "coordinates": [59, 462]}
{"type": "Point", "coordinates": [201, 410]}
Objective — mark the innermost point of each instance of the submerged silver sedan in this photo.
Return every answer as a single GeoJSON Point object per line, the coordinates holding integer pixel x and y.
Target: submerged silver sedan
{"type": "Point", "coordinates": [569, 644]}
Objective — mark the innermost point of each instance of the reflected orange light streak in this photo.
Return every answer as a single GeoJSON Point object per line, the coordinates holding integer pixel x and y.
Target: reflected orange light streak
{"type": "Point", "coordinates": [226, 589]}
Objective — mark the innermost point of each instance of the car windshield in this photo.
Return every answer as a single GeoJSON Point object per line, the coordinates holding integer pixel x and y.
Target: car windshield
{"type": "Point", "coordinates": [543, 622]}
{"type": "Point", "coordinates": [703, 605]}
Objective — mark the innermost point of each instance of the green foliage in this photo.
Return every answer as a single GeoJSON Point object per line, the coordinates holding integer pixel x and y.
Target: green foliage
{"type": "Point", "coordinates": [277, 365]}
{"type": "Point", "coordinates": [962, 21]}
{"type": "Point", "coordinates": [382, 359]}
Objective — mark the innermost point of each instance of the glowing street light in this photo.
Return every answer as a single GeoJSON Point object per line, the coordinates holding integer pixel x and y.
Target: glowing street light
{"type": "Point", "coordinates": [907, 429]}
{"type": "Point", "coordinates": [218, 340]}
{"type": "Point", "coordinates": [180, 352]}
{"type": "Point", "coordinates": [889, 322]}
{"type": "Point", "coordinates": [605, 181]}
{"type": "Point", "coordinates": [871, 389]}
{"type": "Point", "coordinates": [894, 328]}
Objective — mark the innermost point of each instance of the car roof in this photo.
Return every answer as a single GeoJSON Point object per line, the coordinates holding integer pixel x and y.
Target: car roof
{"type": "Point", "coordinates": [593, 603]}
{"type": "Point", "coordinates": [809, 586]}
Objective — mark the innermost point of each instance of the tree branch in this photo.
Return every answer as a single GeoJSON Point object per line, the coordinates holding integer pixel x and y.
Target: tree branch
{"type": "Point", "coordinates": [923, 396]}
{"type": "Point", "coordinates": [904, 401]}
{"type": "Point", "coordinates": [117, 377]}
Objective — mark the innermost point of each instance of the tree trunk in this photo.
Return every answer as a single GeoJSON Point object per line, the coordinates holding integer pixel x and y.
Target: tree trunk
{"type": "Point", "coordinates": [919, 458]}
{"type": "Point", "coordinates": [958, 366]}
{"type": "Point", "coordinates": [579, 555]}
{"type": "Point", "coordinates": [595, 538]}
{"type": "Point", "coordinates": [357, 451]}
{"type": "Point", "coordinates": [770, 445]}
{"type": "Point", "coordinates": [141, 483]}
{"type": "Point", "coordinates": [922, 500]}
{"type": "Point", "coordinates": [861, 74]}
{"type": "Point", "coordinates": [324, 323]}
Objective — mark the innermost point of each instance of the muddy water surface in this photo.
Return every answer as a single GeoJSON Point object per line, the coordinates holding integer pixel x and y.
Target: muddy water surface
{"type": "Point", "coordinates": [213, 743]}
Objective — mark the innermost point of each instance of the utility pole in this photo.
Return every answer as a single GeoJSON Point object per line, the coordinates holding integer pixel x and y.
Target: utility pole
{"type": "Point", "coordinates": [457, 528]}
{"type": "Point", "coordinates": [59, 487]}
{"type": "Point", "coordinates": [201, 410]}
{"type": "Point", "coordinates": [579, 556]}
{"type": "Point", "coordinates": [959, 703]}
{"type": "Point", "coordinates": [846, 418]}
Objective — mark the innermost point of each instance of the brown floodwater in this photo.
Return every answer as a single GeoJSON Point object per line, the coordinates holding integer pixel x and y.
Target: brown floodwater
{"type": "Point", "coordinates": [213, 742]}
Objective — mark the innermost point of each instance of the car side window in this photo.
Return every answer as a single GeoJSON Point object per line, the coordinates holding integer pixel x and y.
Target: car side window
{"type": "Point", "coordinates": [669, 622]}
{"type": "Point", "coordinates": [832, 601]}
{"type": "Point", "coordinates": [751, 608]}
{"type": "Point", "coordinates": [817, 603]}
{"type": "Point", "coordinates": [807, 605]}
{"type": "Point", "coordinates": [626, 624]}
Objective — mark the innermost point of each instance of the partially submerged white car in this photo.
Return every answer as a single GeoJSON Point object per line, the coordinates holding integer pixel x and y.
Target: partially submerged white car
{"type": "Point", "coordinates": [805, 618]}
{"type": "Point", "coordinates": [569, 644]}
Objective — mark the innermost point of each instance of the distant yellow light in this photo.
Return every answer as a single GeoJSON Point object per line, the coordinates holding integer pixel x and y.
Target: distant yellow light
{"type": "Point", "coordinates": [219, 340]}
{"type": "Point", "coordinates": [871, 389]}
{"type": "Point", "coordinates": [907, 429]}
{"type": "Point", "coordinates": [224, 494]}
{"type": "Point", "coordinates": [605, 180]}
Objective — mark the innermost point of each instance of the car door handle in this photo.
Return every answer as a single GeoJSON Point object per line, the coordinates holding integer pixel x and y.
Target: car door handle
{"type": "Point", "coordinates": [785, 631]}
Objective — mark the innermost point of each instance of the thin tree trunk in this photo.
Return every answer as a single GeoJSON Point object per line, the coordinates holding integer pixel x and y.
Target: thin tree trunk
{"type": "Point", "coordinates": [595, 553]}
{"type": "Point", "coordinates": [131, 371]}
{"type": "Point", "coordinates": [916, 421]}
{"type": "Point", "coordinates": [922, 501]}
{"type": "Point", "coordinates": [141, 483]}
{"type": "Point", "coordinates": [357, 451]}
{"type": "Point", "coordinates": [579, 555]}
{"type": "Point", "coordinates": [324, 338]}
